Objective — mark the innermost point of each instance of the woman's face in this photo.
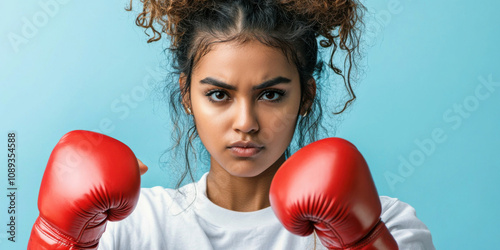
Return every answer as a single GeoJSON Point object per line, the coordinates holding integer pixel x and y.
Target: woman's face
{"type": "Point", "coordinates": [245, 93]}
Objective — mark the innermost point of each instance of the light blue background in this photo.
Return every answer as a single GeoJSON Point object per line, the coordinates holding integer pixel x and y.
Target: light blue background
{"type": "Point", "coordinates": [423, 59]}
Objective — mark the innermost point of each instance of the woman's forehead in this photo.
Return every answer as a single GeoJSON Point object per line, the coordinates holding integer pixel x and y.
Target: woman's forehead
{"type": "Point", "coordinates": [250, 57]}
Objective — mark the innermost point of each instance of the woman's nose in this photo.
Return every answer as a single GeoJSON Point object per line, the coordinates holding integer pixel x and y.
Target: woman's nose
{"type": "Point", "coordinates": [245, 118]}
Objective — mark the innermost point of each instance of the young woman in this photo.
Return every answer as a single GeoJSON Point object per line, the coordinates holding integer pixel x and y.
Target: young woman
{"type": "Point", "coordinates": [249, 82]}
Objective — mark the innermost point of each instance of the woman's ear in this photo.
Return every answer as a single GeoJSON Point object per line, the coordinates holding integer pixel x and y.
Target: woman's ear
{"type": "Point", "coordinates": [186, 103]}
{"type": "Point", "coordinates": [308, 96]}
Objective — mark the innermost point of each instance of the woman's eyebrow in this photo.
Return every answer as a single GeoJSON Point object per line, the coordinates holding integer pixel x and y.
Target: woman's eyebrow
{"type": "Point", "coordinates": [268, 83]}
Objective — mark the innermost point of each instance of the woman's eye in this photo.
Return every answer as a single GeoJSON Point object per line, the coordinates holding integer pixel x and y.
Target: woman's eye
{"type": "Point", "coordinates": [217, 96]}
{"type": "Point", "coordinates": [221, 96]}
{"type": "Point", "coordinates": [273, 96]}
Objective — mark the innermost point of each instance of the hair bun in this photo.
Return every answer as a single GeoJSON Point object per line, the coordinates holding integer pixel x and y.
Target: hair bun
{"type": "Point", "coordinates": [167, 14]}
{"type": "Point", "coordinates": [327, 16]}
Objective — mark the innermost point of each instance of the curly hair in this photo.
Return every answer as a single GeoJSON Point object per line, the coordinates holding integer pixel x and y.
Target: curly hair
{"type": "Point", "coordinates": [292, 26]}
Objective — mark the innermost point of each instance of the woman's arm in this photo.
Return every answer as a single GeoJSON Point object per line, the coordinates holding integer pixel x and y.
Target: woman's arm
{"type": "Point", "coordinates": [401, 220]}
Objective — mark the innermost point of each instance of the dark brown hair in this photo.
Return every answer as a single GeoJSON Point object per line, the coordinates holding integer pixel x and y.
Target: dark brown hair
{"type": "Point", "coordinates": [290, 25]}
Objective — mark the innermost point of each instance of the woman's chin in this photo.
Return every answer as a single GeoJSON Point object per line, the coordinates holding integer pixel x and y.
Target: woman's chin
{"type": "Point", "coordinates": [245, 172]}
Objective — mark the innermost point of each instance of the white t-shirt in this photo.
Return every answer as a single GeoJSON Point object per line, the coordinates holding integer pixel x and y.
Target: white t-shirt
{"type": "Point", "coordinates": [166, 219]}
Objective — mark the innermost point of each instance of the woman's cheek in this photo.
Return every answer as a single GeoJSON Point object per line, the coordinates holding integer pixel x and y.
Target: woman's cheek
{"type": "Point", "coordinates": [279, 125]}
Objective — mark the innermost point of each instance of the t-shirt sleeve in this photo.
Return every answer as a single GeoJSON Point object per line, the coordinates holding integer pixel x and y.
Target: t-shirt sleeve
{"type": "Point", "coordinates": [106, 242]}
{"type": "Point", "coordinates": [401, 220]}
{"type": "Point", "coordinates": [124, 234]}
{"type": "Point", "coordinates": [143, 228]}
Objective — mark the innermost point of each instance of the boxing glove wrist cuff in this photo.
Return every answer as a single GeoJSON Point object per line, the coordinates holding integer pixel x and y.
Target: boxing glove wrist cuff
{"type": "Point", "coordinates": [378, 238]}
{"type": "Point", "coordinates": [44, 236]}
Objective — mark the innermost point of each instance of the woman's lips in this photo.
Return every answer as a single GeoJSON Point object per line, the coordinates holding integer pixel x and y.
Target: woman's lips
{"type": "Point", "coordinates": [244, 152]}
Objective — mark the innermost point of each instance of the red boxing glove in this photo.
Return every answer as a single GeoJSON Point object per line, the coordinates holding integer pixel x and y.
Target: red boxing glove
{"type": "Point", "coordinates": [326, 186]}
{"type": "Point", "coordinates": [90, 178]}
